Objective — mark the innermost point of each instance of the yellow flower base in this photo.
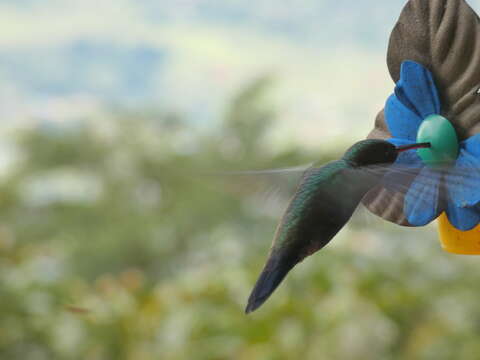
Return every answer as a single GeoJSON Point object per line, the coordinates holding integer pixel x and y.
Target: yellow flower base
{"type": "Point", "coordinates": [458, 242]}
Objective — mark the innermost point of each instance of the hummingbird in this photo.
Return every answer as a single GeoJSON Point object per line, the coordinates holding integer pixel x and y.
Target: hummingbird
{"type": "Point", "coordinates": [323, 203]}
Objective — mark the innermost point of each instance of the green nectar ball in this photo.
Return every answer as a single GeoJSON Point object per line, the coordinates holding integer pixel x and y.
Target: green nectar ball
{"type": "Point", "coordinates": [440, 133]}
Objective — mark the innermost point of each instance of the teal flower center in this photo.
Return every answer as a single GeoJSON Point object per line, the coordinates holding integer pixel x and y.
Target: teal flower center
{"type": "Point", "coordinates": [440, 133]}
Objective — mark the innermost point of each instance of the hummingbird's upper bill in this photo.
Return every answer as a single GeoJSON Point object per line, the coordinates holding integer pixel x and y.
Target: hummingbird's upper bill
{"type": "Point", "coordinates": [413, 146]}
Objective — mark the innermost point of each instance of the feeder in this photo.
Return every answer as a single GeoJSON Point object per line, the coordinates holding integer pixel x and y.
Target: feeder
{"type": "Point", "coordinates": [458, 242]}
{"type": "Point", "coordinates": [436, 100]}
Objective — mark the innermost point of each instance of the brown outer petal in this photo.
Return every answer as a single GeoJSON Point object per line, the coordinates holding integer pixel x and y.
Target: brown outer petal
{"type": "Point", "coordinates": [444, 36]}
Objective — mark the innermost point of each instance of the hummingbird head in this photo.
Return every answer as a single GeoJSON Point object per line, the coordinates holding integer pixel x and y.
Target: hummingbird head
{"type": "Point", "coordinates": [375, 151]}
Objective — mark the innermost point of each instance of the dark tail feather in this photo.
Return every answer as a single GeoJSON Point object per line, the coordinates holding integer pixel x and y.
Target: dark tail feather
{"type": "Point", "coordinates": [275, 270]}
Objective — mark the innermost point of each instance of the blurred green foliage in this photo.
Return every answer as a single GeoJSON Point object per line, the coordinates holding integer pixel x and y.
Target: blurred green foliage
{"type": "Point", "coordinates": [124, 238]}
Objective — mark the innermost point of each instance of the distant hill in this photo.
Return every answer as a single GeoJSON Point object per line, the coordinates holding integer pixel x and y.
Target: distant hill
{"type": "Point", "coordinates": [101, 69]}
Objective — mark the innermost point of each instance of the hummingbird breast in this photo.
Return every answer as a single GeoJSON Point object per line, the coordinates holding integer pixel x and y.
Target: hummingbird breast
{"type": "Point", "coordinates": [324, 201]}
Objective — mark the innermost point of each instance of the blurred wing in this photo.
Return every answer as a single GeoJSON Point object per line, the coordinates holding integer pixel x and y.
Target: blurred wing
{"type": "Point", "coordinates": [422, 192]}
{"type": "Point", "coordinates": [388, 201]}
{"type": "Point", "coordinates": [286, 170]}
{"type": "Point", "coordinates": [422, 189]}
{"type": "Point", "coordinates": [269, 188]}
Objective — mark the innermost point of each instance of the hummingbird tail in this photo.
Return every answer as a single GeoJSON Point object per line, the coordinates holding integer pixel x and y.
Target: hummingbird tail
{"type": "Point", "coordinates": [275, 270]}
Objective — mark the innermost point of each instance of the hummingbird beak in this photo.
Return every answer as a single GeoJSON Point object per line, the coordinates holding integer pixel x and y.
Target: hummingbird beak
{"type": "Point", "coordinates": [413, 146]}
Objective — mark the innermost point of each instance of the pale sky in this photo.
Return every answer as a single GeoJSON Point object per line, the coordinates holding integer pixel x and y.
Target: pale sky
{"type": "Point", "coordinates": [328, 58]}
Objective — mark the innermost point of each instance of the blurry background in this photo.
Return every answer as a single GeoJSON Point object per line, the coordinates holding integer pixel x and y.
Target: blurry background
{"type": "Point", "coordinates": [117, 239]}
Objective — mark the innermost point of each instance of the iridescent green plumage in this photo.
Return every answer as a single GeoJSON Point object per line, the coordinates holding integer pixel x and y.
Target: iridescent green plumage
{"type": "Point", "coordinates": [324, 201]}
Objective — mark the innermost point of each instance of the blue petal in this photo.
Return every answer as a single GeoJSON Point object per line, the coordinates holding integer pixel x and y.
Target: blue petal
{"type": "Point", "coordinates": [416, 90]}
{"type": "Point", "coordinates": [401, 121]}
{"type": "Point", "coordinates": [463, 219]}
{"type": "Point", "coordinates": [422, 199]}
{"type": "Point", "coordinates": [472, 145]}
{"type": "Point", "coordinates": [463, 181]}
{"type": "Point", "coordinates": [399, 141]}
